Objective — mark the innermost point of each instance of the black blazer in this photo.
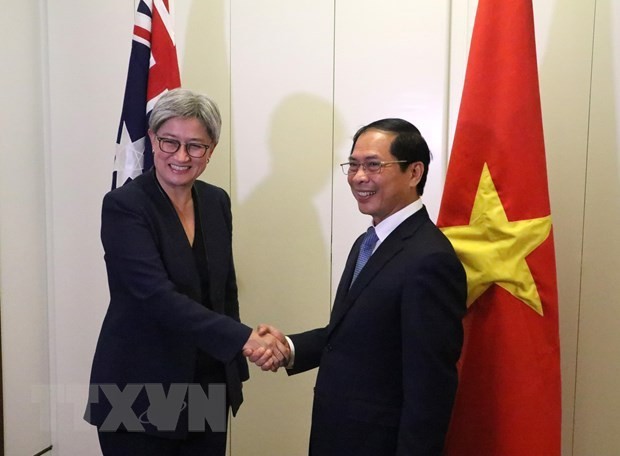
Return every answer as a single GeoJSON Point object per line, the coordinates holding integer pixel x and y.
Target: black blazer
{"type": "Point", "coordinates": [155, 321]}
{"type": "Point", "coordinates": [387, 360]}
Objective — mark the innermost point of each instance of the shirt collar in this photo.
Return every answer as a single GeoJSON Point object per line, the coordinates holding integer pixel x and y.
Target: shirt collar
{"type": "Point", "coordinates": [385, 227]}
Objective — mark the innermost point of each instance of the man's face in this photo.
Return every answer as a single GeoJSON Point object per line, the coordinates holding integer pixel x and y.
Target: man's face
{"type": "Point", "coordinates": [386, 192]}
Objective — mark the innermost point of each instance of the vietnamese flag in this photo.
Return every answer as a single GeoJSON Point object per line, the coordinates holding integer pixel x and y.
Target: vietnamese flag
{"type": "Point", "coordinates": [495, 210]}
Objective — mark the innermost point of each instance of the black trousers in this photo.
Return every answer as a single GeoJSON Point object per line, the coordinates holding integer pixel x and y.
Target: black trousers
{"type": "Point", "coordinates": [207, 443]}
{"type": "Point", "coordinates": [140, 444]}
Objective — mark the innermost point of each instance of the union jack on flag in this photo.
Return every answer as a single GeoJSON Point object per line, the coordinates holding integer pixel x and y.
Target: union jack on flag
{"type": "Point", "coordinates": [153, 70]}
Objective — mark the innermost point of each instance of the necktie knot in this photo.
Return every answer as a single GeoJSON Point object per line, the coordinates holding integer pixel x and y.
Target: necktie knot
{"type": "Point", "coordinates": [368, 245]}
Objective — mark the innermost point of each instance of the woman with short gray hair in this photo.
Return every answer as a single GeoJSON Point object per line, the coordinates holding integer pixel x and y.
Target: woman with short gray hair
{"type": "Point", "coordinates": [172, 338]}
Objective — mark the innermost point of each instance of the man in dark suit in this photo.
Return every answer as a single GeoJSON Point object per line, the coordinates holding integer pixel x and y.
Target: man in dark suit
{"type": "Point", "coordinates": [387, 359]}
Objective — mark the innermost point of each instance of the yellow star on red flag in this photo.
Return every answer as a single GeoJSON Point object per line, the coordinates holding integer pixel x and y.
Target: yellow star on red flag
{"type": "Point", "coordinates": [493, 249]}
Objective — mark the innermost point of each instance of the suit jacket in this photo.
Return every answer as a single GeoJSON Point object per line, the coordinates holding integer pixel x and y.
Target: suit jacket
{"type": "Point", "coordinates": [155, 321]}
{"type": "Point", "coordinates": [387, 360]}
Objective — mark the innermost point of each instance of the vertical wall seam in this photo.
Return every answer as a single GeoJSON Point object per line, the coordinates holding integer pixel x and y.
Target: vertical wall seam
{"type": "Point", "coordinates": [333, 156]}
{"type": "Point", "coordinates": [230, 105]}
{"type": "Point", "coordinates": [447, 104]}
{"type": "Point", "coordinates": [46, 102]}
{"type": "Point", "coordinates": [583, 230]}
{"type": "Point", "coordinates": [231, 161]}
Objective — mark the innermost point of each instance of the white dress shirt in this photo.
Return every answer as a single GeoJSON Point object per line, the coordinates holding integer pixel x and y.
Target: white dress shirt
{"type": "Point", "coordinates": [383, 230]}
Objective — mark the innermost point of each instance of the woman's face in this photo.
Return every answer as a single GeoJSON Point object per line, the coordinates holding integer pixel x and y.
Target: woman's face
{"type": "Point", "coordinates": [179, 170]}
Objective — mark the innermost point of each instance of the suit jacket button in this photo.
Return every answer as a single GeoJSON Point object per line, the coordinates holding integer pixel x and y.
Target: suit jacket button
{"type": "Point", "coordinates": [329, 347]}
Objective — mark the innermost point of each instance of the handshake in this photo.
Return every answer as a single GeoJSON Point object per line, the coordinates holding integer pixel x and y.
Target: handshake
{"type": "Point", "coordinates": [267, 348]}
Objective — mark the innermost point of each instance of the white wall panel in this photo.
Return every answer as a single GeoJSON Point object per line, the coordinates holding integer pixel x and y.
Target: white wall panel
{"type": "Point", "coordinates": [89, 45]}
{"type": "Point", "coordinates": [462, 17]}
{"type": "Point", "coordinates": [564, 46]}
{"type": "Point", "coordinates": [23, 278]}
{"type": "Point", "coordinates": [391, 61]}
{"type": "Point", "coordinates": [597, 406]}
{"type": "Point", "coordinates": [282, 121]}
{"type": "Point", "coordinates": [203, 45]}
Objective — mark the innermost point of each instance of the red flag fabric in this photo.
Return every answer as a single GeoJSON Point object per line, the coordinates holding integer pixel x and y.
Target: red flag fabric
{"type": "Point", "coordinates": [495, 210]}
{"type": "Point", "coordinates": [153, 70]}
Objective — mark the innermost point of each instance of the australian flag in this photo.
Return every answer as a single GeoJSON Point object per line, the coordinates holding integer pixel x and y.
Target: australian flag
{"type": "Point", "coordinates": [153, 70]}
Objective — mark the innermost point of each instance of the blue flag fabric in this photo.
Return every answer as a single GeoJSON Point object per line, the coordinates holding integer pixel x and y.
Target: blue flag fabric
{"type": "Point", "coordinates": [153, 70]}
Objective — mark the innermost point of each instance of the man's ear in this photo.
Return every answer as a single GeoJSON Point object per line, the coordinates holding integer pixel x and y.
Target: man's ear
{"type": "Point", "coordinates": [416, 170]}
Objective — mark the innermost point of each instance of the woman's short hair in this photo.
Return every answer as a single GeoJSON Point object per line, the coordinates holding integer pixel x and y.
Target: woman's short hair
{"type": "Point", "coordinates": [185, 103]}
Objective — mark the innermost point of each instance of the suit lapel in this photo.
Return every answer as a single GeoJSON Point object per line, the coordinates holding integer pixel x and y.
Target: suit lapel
{"type": "Point", "coordinates": [172, 224]}
{"type": "Point", "coordinates": [213, 233]}
{"type": "Point", "coordinates": [175, 236]}
{"type": "Point", "coordinates": [390, 247]}
{"type": "Point", "coordinates": [213, 229]}
{"type": "Point", "coordinates": [347, 274]}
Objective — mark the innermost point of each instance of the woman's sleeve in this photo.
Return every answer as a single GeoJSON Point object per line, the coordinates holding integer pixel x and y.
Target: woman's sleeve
{"type": "Point", "coordinates": [137, 277]}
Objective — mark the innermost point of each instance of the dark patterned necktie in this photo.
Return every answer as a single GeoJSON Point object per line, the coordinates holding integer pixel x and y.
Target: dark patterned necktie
{"type": "Point", "coordinates": [368, 244]}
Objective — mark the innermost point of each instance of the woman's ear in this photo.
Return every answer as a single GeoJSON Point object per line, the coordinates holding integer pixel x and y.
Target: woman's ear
{"type": "Point", "coordinates": [211, 150]}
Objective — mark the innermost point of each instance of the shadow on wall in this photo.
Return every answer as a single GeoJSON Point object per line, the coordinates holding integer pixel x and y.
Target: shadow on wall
{"type": "Point", "coordinates": [284, 256]}
{"type": "Point", "coordinates": [282, 230]}
{"type": "Point", "coordinates": [282, 253]}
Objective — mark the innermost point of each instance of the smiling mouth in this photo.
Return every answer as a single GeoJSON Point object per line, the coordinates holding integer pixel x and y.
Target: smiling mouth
{"type": "Point", "coordinates": [178, 167]}
{"type": "Point", "coordinates": [364, 194]}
